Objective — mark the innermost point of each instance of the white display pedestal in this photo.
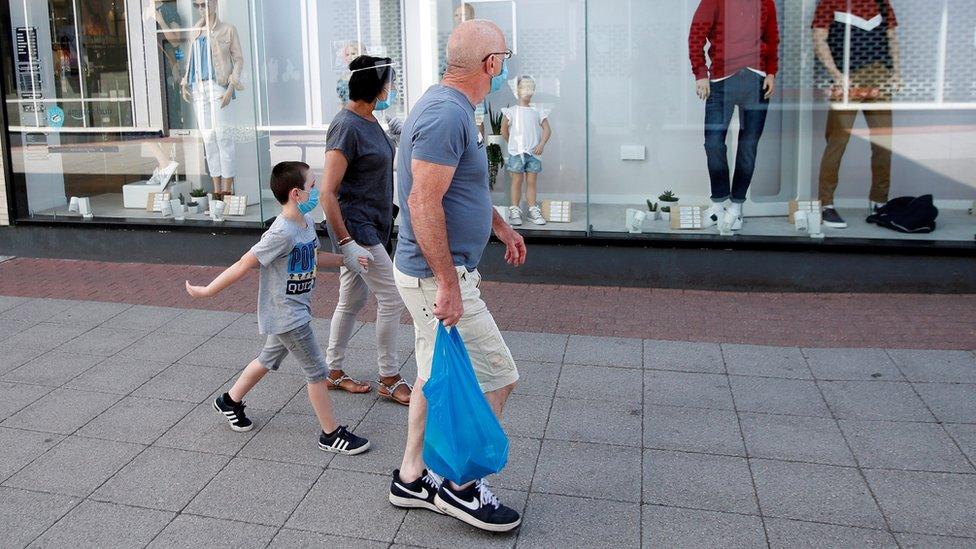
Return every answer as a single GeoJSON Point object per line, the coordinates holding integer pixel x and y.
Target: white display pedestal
{"type": "Point", "coordinates": [135, 195]}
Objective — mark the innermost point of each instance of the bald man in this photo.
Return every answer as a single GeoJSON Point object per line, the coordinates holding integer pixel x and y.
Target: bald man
{"type": "Point", "coordinates": [446, 220]}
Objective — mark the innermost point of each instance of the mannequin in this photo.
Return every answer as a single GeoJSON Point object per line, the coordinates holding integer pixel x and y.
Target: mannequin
{"type": "Point", "coordinates": [526, 129]}
{"type": "Point", "coordinates": [351, 51]}
{"type": "Point", "coordinates": [211, 81]}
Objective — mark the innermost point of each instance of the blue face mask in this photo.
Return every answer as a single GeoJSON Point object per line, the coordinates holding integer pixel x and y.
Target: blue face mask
{"type": "Point", "coordinates": [498, 81]}
{"type": "Point", "coordinates": [384, 104]}
{"type": "Point", "coordinates": [311, 203]}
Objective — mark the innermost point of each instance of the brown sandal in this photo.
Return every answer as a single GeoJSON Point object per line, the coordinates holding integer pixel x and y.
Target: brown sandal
{"type": "Point", "coordinates": [389, 391]}
{"type": "Point", "coordinates": [336, 385]}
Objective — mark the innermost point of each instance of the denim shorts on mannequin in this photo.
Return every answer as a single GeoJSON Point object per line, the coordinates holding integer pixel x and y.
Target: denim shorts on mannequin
{"type": "Point", "coordinates": [523, 163]}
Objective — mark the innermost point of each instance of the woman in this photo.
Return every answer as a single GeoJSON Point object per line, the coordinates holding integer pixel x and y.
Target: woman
{"type": "Point", "coordinates": [357, 198]}
{"type": "Point", "coordinates": [213, 76]}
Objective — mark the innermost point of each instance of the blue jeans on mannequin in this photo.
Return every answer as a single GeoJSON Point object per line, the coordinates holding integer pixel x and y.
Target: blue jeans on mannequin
{"type": "Point", "coordinates": [743, 90]}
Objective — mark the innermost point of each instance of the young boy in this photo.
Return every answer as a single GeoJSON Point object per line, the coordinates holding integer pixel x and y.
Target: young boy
{"type": "Point", "coordinates": [288, 261]}
{"type": "Point", "coordinates": [527, 130]}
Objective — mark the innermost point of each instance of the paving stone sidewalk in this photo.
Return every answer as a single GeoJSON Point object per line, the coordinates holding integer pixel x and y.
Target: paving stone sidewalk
{"type": "Point", "coordinates": [108, 439]}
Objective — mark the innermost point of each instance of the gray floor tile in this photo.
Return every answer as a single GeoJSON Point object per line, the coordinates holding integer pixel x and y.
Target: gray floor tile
{"type": "Point", "coordinates": [143, 317]}
{"type": "Point", "coordinates": [950, 402]}
{"type": "Point", "coordinates": [683, 356]}
{"type": "Point", "coordinates": [523, 453]}
{"type": "Point", "coordinates": [578, 468]}
{"type": "Point", "coordinates": [926, 503]}
{"type": "Point", "coordinates": [11, 357]}
{"type": "Point", "coordinates": [263, 492]}
{"type": "Point", "coordinates": [874, 400]}
{"type": "Point", "coordinates": [691, 429]}
{"type": "Point", "coordinates": [90, 313]}
{"type": "Point", "coordinates": [600, 383]}
{"type": "Point", "coordinates": [46, 336]}
{"type": "Point", "coordinates": [26, 515]}
{"type": "Point", "coordinates": [48, 413]}
{"type": "Point", "coordinates": [790, 534]}
{"type": "Point", "coordinates": [942, 366]}
{"type": "Point", "coordinates": [689, 528]}
{"type": "Point", "coordinates": [38, 310]}
{"type": "Point", "coordinates": [852, 364]}
{"type": "Point", "coordinates": [758, 360]}
{"type": "Point", "coordinates": [163, 347]}
{"type": "Point", "coordinates": [605, 351]}
{"type": "Point", "coordinates": [191, 531]}
{"type": "Point", "coordinates": [536, 347]}
{"type": "Point", "coordinates": [795, 438]}
{"type": "Point", "coordinates": [820, 493]}
{"type": "Point", "coordinates": [538, 378]}
{"type": "Point", "coordinates": [53, 369]}
{"type": "Point", "coordinates": [365, 338]}
{"type": "Point", "coordinates": [681, 479]}
{"type": "Point", "coordinates": [331, 511]}
{"type": "Point", "coordinates": [245, 327]}
{"type": "Point", "coordinates": [184, 382]}
{"type": "Point", "coordinates": [526, 415]}
{"type": "Point", "coordinates": [9, 302]}
{"type": "Point", "coordinates": [421, 528]}
{"type": "Point", "coordinates": [921, 541]}
{"type": "Point", "coordinates": [162, 478]}
{"type": "Point", "coordinates": [595, 421]}
{"type": "Point", "coordinates": [689, 389]}
{"type": "Point", "coordinates": [95, 524]}
{"type": "Point", "coordinates": [204, 430]}
{"type": "Point", "coordinates": [225, 352]}
{"type": "Point", "coordinates": [778, 396]}
{"type": "Point", "coordinates": [118, 374]}
{"type": "Point", "coordinates": [103, 341]}
{"type": "Point", "coordinates": [136, 419]}
{"type": "Point", "coordinates": [560, 521]}
{"type": "Point", "coordinates": [385, 451]}
{"type": "Point", "coordinates": [15, 396]}
{"type": "Point", "coordinates": [292, 539]}
{"type": "Point", "coordinates": [918, 446]}
{"type": "Point", "coordinates": [18, 448]}
{"type": "Point", "coordinates": [76, 466]}
{"type": "Point", "coordinates": [10, 327]}
{"type": "Point", "coordinates": [290, 438]}
{"type": "Point", "coordinates": [199, 322]}
{"type": "Point", "coordinates": [387, 411]}
{"type": "Point", "coordinates": [272, 393]}
{"type": "Point", "coordinates": [349, 408]}
{"type": "Point", "coordinates": [965, 436]}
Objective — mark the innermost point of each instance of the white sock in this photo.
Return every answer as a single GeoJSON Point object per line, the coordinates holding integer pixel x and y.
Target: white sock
{"type": "Point", "coordinates": [736, 208]}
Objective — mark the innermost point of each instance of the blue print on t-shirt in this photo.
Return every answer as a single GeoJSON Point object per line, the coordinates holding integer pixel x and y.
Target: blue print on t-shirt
{"type": "Point", "coordinates": [301, 269]}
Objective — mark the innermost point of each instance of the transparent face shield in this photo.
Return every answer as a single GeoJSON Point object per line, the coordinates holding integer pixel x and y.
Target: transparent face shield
{"type": "Point", "coordinates": [386, 71]}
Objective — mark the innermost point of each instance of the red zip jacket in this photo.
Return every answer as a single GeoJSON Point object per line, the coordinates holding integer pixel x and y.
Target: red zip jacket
{"type": "Point", "coordinates": [740, 34]}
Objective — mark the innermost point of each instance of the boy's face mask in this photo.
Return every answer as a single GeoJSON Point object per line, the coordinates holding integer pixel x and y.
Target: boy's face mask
{"type": "Point", "coordinates": [311, 203]}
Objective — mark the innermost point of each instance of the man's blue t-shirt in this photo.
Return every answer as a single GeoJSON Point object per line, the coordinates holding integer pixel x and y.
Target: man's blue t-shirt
{"type": "Point", "coordinates": [441, 130]}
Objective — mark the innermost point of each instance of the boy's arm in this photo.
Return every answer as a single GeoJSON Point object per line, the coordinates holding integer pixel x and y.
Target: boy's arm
{"type": "Point", "coordinates": [232, 274]}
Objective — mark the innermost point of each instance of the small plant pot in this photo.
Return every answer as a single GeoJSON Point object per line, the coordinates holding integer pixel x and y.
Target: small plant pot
{"type": "Point", "coordinates": [193, 209]}
{"type": "Point", "coordinates": [202, 202]}
{"type": "Point", "coordinates": [665, 216]}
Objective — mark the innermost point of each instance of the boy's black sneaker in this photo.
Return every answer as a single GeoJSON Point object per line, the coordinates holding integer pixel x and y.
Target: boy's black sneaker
{"type": "Point", "coordinates": [477, 506]}
{"type": "Point", "coordinates": [418, 494]}
{"type": "Point", "coordinates": [233, 413]}
{"type": "Point", "coordinates": [341, 441]}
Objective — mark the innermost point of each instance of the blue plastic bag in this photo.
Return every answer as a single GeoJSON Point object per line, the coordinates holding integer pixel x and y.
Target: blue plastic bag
{"type": "Point", "coordinates": [463, 440]}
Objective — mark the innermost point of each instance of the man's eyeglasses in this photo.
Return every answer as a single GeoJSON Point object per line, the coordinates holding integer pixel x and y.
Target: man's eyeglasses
{"type": "Point", "coordinates": [507, 55]}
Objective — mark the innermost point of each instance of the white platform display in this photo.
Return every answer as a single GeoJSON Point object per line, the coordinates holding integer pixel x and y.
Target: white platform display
{"type": "Point", "coordinates": [135, 195]}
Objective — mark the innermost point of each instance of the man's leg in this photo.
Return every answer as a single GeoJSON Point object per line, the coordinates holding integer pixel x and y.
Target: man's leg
{"type": "Point", "coordinates": [412, 465]}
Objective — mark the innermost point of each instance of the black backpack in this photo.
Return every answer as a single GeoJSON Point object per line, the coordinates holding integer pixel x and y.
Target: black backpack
{"type": "Point", "coordinates": [907, 214]}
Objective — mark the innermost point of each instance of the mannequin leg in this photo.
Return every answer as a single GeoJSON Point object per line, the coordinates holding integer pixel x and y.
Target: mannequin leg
{"type": "Point", "coordinates": [228, 185]}
{"type": "Point", "coordinates": [516, 189]}
{"type": "Point", "coordinates": [530, 188]}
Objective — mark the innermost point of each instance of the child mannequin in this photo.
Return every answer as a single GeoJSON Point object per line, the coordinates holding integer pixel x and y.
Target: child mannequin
{"type": "Point", "coordinates": [526, 129]}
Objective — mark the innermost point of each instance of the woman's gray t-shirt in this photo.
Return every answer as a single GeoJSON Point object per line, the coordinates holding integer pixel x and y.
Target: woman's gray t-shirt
{"type": "Point", "coordinates": [287, 253]}
{"type": "Point", "coordinates": [366, 191]}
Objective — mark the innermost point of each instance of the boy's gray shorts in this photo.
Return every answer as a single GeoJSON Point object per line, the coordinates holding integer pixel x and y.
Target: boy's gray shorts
{"type": "Point", "coordinates": [302, 343]}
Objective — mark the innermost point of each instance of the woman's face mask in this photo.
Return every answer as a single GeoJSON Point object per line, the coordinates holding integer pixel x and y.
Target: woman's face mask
{"type": "Point", "coordinates": [384, 104]}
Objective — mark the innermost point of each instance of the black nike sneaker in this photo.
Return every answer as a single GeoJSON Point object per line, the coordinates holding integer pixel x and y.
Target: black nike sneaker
{"type": "Point", "coordinates": [418, 494]}
{"type": "Point", "coordinates": [233, 413]}
{"type": "Point", "coordinates": [477, 506]}
{"type": "Point", "coordinates": [341, 441]}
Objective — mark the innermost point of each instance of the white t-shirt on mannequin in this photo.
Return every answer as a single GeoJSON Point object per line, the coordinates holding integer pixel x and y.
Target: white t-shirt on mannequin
{"type": "Point", "coordinates": [524, 128]}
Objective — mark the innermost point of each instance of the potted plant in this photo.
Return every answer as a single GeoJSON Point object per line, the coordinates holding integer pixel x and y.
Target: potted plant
{"type": "Point", "coordinates": [652, 209]}
{"type": "Point", "coordinates": [495, 127]}
{"type": "Point", "coordinates": [199, 196]}
{"type": "Point", "coordinates": [495, 160]}
{"type": "Point", "coordinates": [192, 207]}
{"type": "Point", "coordinates": [668, 199]}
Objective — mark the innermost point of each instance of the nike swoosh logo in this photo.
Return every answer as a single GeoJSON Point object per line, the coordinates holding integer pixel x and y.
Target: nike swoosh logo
{"type": "Point", "coordinates": [472, 505]}
{"type": "Point", "coordinates": [422, 494]}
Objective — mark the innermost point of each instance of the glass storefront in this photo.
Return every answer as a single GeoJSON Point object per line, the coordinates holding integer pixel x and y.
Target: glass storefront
{"type": "Point", "coordinates": [621, 117]}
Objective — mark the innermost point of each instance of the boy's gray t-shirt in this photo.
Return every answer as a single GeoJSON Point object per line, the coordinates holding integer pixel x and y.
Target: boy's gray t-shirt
{"type": "Point", "coordinates": [366, 192]}
{"type": "Point", "coordinates": [441, 129]}
{"type": "Point", "coordinates": [287, 253]}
